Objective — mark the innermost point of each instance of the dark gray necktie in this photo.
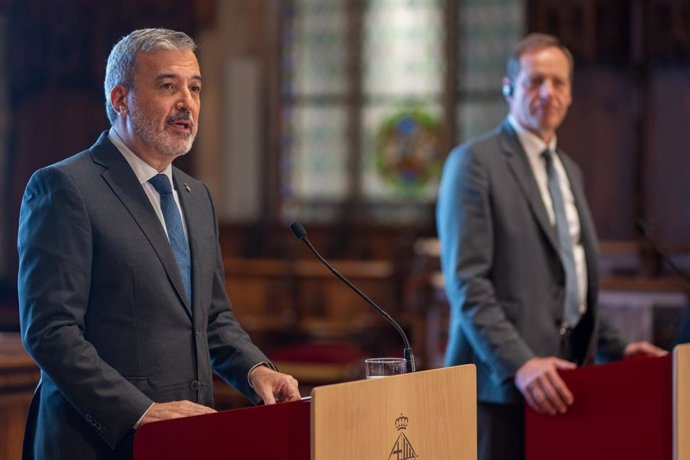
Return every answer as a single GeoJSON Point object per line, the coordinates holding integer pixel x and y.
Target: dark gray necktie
{"type": "Point", "coordinates": [571, 307]}
{"type": "Point", "coordinates": [176, 236]}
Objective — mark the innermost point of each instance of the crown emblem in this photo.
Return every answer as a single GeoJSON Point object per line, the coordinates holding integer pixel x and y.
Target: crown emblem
{"type": "Point", "coordinates": [401, 422]}
{"type": "Point", "coordinates": [402, 450]}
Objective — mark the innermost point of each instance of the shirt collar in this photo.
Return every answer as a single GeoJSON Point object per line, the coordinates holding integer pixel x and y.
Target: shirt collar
{"type": "Point", "coordinates": [142, 169]}
{"type": "Point", "coordinates": [530, 142]}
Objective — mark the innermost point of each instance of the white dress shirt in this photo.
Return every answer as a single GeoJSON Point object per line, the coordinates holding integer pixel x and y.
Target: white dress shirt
{"type": "Point", "coordinates": [144, 172]}
{"type": "Point", "coordinates": [534, 147]}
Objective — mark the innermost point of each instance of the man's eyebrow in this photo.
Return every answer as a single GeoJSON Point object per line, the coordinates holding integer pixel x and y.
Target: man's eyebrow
{"type": "Point", "coordinates": [173, 76]}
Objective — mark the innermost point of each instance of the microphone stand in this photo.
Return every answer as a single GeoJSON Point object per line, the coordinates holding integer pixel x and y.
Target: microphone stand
{"type": "Point", "coordinates": [643, 230]}
{"type": "Point", "coordinates": [301, 234]}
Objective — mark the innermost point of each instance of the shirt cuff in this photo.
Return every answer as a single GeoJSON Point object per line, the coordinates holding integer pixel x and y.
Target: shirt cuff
{"type": "Point", "coordinates": [249, 381]}
{"type": "Point", "coordinates": [136, 425]}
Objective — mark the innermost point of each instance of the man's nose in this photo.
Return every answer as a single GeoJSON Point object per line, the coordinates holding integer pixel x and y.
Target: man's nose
{"type": "Point", "coordinates": [546, 89]}
{"type": "Point", "coordinates": [186, 101]}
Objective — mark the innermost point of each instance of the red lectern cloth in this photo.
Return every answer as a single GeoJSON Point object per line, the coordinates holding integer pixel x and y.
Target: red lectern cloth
{"type": "Point", "coordinates": [277, 431]}
{"type": "Point", "coordinates": [622, 410]}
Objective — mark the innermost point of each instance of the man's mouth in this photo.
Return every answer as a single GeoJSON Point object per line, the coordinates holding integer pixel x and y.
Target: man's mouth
{"type": "Point", "coordinates": [180, 122]}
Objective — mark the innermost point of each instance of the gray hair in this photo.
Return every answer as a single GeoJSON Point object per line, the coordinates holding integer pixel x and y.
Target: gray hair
{"type": "Point", "coordinates": [120, 67]}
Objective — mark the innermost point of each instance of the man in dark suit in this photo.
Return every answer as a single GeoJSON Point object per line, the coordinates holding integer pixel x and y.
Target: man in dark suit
{"type": "Point", "coordinates": [121, 282]}
{"type": "Point", "coordinates": [519, 255]}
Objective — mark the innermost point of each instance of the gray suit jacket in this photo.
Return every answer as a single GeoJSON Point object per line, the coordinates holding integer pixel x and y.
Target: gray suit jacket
{"type": "Point", "coordinates": [504, 277]}
{"type": "Point", "coordinates": [103, 310]}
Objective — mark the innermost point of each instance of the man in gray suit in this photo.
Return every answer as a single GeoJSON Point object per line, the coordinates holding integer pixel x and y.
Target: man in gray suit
{"type": "Point", "coordinates": [121, 282]}
{"type": "Point", "coordinates": [519, 255]}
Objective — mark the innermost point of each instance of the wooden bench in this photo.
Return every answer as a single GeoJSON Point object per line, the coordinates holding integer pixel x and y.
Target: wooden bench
{"type": "Point", "coordinates": [274, 294]}
{"type": "Point", "coordinates": [298, 311]}
{"type": "Point", "coordinates": [18, 378]}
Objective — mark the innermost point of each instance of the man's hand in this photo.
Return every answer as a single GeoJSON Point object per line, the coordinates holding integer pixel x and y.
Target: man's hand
{"type": "Point", "coordinates": [542, 387]}
{"type": "Point", "coordinates": [642, 349]}
{"type": "Point", "coordinates": [174, 409]}
{"type": "Point", "coordinates": [273, 386]}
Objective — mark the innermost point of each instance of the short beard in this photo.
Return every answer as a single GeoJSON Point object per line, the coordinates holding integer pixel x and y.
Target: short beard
{"type": "Point", "coordinates": [165, 142]}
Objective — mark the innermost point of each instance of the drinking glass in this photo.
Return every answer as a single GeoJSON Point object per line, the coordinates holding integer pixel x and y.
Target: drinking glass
{"type": "Point", "coordinates": [381, 367]}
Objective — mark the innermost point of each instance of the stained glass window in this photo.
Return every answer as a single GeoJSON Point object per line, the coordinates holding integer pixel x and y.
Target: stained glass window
{"type": "Point", "coordinates": [314, 109]}
{"type": "Point", "coordinates": [488, 30]}
{"type": "Point", "coordinates": [402, 88]}
{"type": "Point", "coordinates": [365, 99]}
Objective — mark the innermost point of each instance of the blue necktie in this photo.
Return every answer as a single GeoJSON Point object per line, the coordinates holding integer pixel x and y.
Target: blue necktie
{"type": "Point", "coordinates": [571, 308]}
{"type": "Point", "coordinates": [173, 223]}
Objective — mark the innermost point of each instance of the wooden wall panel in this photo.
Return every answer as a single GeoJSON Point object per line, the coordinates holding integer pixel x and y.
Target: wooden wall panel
{"type": "Point", "coordinates": [55, 76]}
{"type": "Point", "coordinates": [667, 172]}
{"type": "Point", "coordinates": [629, 124]}
{"type": "Point", "coordinates": [599, 134]}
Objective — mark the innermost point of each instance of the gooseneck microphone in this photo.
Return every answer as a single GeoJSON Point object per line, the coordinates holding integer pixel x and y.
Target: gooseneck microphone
{"type": "Point", "coordinates": [301, 234]}
{"type": "Point", "coordinates": [643, 230]}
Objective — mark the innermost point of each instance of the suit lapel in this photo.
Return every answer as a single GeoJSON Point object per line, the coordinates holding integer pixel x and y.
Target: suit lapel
{"type": "Point", "coordinates": [522, 172]}
{"type": "Point", "coordinates": [125, 185]}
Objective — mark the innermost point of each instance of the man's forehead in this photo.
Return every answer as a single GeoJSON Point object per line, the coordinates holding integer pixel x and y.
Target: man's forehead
{"type": "Point", "coordinates": [550, 58]}
{"type": "Point", "coordinates": [167, 62]}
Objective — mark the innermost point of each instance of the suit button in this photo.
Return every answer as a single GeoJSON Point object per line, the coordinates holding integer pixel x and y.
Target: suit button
{"type": "Point", "coordinates": [195, 385]}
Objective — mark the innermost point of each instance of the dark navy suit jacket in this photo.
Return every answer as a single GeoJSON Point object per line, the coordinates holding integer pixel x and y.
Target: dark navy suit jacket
{"type": "Point", "coordinates": [103, 310]}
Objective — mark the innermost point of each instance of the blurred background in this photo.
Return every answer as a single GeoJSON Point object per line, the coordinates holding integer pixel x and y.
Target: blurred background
{"type": "Point", "coordinates": [339, 114]}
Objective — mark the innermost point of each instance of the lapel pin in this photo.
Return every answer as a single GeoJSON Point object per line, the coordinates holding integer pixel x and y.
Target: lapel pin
{"type": "Point", "coordinates": [186, 185]}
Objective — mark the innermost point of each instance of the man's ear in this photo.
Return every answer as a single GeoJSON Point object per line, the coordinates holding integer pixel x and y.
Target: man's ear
{"type": "Point", "coordinates": [507, 88]}
{"type": "Point", "coordinates": [118, 98]}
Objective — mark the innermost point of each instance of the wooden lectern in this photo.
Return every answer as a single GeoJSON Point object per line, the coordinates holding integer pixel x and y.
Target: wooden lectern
{"type": "Point", "coordinates": [636, 409]}
{"type": "Point", "coordinates": [430, 414]}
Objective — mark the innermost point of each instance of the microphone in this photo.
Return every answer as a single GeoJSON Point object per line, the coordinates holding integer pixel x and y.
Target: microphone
{"type": "Point", "coordinates": [301, 234]}
{"type": "Point", "coordinates": [643, 230]}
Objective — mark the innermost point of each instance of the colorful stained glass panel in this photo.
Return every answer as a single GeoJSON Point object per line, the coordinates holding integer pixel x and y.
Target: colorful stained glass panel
{"type": "Point", "coordinates": [316, 160]}
{"type": "Point", "coordinates": [316, 48]}
{"type": "Point", "coordinates": [488, 30]}
{"type": "Point", "coordinates": [402, 47]}
{"type": "Point", "coordinates": [401, 152]}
